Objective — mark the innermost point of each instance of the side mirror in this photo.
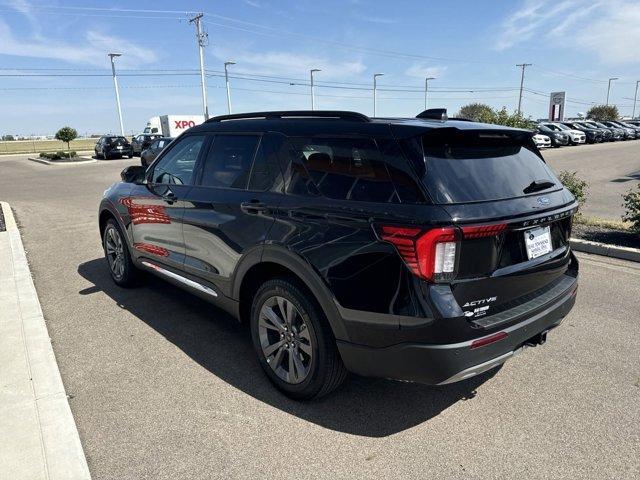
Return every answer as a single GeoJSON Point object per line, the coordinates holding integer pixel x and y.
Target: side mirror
{"type": "Point", "coordinates": [133, 174]}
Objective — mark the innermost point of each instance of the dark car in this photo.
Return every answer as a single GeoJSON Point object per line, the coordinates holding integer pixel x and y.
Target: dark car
{"type": "Point", "coordinates": [149, 155]}
{"type": "Point", "coordinates": [594, 135]}
{"type": "Point", "coordinates": [142, 142]}
{"type": "Point", "coordinates": [630, 131]}
{"type": "Point", "coordinates": [420, 249]}
{"type": "Point", "coordinates": [615, 133]}
{"type": "Point", "coordinates": [113, 146]}
{"type": "Point", "coordinates": [558, 139]}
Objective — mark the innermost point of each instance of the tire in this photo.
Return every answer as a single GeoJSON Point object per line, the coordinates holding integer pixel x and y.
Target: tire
{"type": "Point", "coordinates": [307, 346]}
{"type": "Point", "coordinates": [117, 255]}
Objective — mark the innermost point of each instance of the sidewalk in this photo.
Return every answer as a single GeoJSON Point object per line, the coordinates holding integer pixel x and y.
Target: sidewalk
{"type": "Point", "coordinates": [38, 436]}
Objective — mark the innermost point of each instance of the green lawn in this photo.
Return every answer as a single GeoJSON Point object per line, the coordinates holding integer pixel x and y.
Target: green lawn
{"type": "Point", "coordinates": [37, 146]}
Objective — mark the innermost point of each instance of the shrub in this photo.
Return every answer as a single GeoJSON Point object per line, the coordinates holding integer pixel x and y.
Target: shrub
{"type": "Point", "coordinates": [58, 155]}
{"type": "Point", "coordinates": [575, 185]}
{"type": "Point", "coordinates": [66, 134]}
{"type": "Point", "coordinates": [603, 113]}
{"type": "Point", "coordinates": [478, 112]}
{"type": "Point", "coordinates": [632, 208]}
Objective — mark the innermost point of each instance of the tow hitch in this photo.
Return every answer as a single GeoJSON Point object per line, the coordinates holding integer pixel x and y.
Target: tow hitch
{"type": "Point", "coordinates": [538, 339]}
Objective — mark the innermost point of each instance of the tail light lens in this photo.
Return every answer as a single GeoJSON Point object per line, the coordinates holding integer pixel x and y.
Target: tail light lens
{"type": "Point", "coordinates": [430, 255]}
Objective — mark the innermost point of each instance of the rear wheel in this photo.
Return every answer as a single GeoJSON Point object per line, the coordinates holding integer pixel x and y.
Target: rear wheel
{"type": "Point", "coordinates": [123, 271]}
{"type": "Point", "coordinates": [293, 341]}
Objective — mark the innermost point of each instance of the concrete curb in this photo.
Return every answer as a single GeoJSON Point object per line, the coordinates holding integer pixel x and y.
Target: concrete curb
{"type": "Point", "coordinates": [613, 251]}
{"type": "Point", "coordinates": [49, 162]}
{"type": "Point", "coordinates": [38, 433]}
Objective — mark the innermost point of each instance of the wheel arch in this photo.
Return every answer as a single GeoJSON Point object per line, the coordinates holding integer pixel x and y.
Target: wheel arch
{"type": "Point", "coordinates": [280, 262]}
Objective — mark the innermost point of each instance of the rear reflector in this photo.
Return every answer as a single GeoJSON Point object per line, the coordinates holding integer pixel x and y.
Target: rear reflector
{"type": "Point", "coordinates": [481, 342]}
{"type": "Point", "coordinates": [481, 231]}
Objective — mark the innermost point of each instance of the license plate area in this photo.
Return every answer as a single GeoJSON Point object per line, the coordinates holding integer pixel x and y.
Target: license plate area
{"type": "Point", "coordinates": [538, 242]}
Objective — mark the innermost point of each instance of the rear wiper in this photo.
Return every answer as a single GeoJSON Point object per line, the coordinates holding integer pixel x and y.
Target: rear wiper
{"type": "Point", "coordinates": [538, 185]}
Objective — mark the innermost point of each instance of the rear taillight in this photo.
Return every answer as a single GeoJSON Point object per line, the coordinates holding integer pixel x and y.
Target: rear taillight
{"type": "Point", "coordinates": [430, 254]}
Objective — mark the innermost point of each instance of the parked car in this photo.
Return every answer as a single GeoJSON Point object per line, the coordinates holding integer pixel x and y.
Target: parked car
{"type": "Point", "coordinates": [110, 146]}
{"type": "Point", "coordinates": [610, 134]}
{"type": "Point", "coordinates": [142, 142]}
{"type": "Point", "coordinates": [541, 141]}
{"type": "Point", "coordinates": [630, 131]}
{"type": "Point", "coordinates": [576, 137]}
{"type": "Point", "coordinates": [150, 154]}
{"type": "Point", "coordinates": [424, 249]}
{"type": "Point", "coordinates": [593, 135]}
{"type": "Point", "coordinates": [558, 138]}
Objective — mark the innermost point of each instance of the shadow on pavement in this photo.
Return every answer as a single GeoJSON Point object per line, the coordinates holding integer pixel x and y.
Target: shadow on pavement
{"type": "Point", "coordinates": [211, 337]}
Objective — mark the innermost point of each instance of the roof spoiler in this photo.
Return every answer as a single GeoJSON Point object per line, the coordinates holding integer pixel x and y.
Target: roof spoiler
{"type": "Point", "coordinates": [434, 114]}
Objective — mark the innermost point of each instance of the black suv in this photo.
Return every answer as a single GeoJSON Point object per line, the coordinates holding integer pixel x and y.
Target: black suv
{"type": "Point", "coordinates": [142, 142]}
{"type": "Point", "coordinates": [111, 146]}
{"type": "Point", "coordinates": [149, 154]}
{"type": "Point", "coordinates": [420, 249]}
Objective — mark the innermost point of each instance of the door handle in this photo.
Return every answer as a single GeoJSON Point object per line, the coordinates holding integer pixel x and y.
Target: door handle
{"type": "Point", "coordinates": [253, 207]}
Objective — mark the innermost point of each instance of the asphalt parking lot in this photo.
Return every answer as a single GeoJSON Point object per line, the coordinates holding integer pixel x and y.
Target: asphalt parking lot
{"type": "Point", "coordinates": [164, 386]}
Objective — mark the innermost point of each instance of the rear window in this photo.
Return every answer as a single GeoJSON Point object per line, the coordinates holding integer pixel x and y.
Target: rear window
{"type": "Point", "coordinates": [475, 169]}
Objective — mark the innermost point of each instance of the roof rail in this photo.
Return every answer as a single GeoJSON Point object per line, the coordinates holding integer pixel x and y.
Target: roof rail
{"type": "Point", "coordinates": [337, 114]}
{"type": "Point", "coordinates": [433, 114]}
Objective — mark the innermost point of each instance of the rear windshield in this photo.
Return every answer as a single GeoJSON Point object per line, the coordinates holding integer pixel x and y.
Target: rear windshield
{"type": "Point", "coordinates": [477, 169]}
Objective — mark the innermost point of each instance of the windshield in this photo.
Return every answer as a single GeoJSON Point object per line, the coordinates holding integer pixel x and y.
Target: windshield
{"type": "Point", "coordinates": [561, 127]}
{"type": "Point", "coordinates": [476, 171]}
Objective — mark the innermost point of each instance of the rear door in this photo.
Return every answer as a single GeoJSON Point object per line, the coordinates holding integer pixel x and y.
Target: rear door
{"type": "Point", "coordinates": [230, 209]}
{"type": "Point", "coordinates": [512, 213]}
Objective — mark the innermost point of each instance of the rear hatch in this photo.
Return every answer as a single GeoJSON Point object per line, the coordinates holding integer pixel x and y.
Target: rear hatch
{"type": "Point", "coordinates": [511, 216]}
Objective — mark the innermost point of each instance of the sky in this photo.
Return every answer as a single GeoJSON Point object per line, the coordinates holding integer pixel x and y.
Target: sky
{"type": "Point", "coordinates": [54, 68]}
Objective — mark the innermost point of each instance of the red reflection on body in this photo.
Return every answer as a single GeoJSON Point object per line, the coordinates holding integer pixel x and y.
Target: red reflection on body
{"type": "Point", "coordinates": [152, 249]}
{"type": "Point", "coordinates": [141, 213]}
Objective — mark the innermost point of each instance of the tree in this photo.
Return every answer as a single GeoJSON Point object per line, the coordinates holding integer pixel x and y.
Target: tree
{"type": "Point", "coordinates": [516, 120]}
{"type": "Point", "coordinates": [603, 113]}
{"type": "Point", "coordinates": [66, 134]}
{"type": "Point", "coordinates": [8, 138]}
{"type": "Point", "coordinates": [478, 112]}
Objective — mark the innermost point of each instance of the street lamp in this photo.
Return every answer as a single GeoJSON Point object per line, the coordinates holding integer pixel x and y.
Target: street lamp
{"type": "Point", "coordinates": [426, 87]}
{"type": "Point", "coordinates": [609, 88]}
{"type": "Point", "coordinates": [313, 96]}
{"type": "Point", "coordinates": [115, 84]}
{"type": "Point", "coordinates": [226, 79]}
{"type": "Point", "coordinates": [635, 98]}
{"type": "Point", "coordinates": [375, 77]}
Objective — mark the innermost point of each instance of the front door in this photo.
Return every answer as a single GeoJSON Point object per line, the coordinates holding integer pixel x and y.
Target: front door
{"type": "Point", "coordinates": [229, 210]}
{"type": "Point", "coordinates": [157, 208]}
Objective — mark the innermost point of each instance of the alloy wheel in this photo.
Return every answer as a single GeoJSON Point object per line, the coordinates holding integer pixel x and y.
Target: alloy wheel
{"type": "Point", "coordinates": [114, 249]}
{"type": "Point", "coordinates": [285, 339]}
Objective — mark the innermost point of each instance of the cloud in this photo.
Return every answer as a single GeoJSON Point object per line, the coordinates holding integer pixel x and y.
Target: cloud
{"type": "Point", "coordinates": [378, 20]}
{"type": "Point", "coordinates": [420, 70]}
{"type": "Point", "coordinates": [606, 28]}
{"type": "Point", "coordinates": [91, 51]}
{"type": "Point", "coordinates": [285, 63]}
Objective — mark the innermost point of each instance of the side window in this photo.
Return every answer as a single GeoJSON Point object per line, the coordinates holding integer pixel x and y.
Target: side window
{"type": "Point", "coordinates": [177, 166]}
{"type": "Point", "coordinates": [346, 168]}
{"type": "Point", "coordinates": [229, 160]}
{"type": "Point", "coordinates": [265, 173]}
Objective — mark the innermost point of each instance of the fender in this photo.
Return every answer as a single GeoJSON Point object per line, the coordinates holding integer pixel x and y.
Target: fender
{"type": "Point", "coordinates": [107, 205]}
{"type": "Point", "coordinates": [284, 257]}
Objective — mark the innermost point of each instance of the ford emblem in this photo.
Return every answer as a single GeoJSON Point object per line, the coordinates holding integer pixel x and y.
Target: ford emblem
{"type": "Point", "coordinates": [543, 200]}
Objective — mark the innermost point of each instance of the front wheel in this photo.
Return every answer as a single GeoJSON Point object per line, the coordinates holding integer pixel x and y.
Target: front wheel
{"type": "Point", "coordinates": [293, 341]}
{"type": "Point", "coordinates": [123, 271]}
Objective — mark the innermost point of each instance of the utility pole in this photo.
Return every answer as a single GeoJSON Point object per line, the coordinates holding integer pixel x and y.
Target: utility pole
{"type": "Point", "coordinates": [202, 38]}
{"type": "Point", "coordinates": [115, 84]}
{"type": "Point", "coordinates": [635, 98]}
{"type": "Point", "coordinates": [609, 87]}
{"type": "Point", "coordinates": [426, 87]}
{"type": "Point", "coordinates": [375, 77]}
{"type": "Point", "coordinates": [313, 94]}
{"type": "Point", "coordinates": [523, 66]}
{"type": "Point", "coordinates": [226, 79]}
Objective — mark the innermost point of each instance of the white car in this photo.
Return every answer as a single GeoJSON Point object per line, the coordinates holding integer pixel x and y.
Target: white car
{"type": "Point", "coordinates": [541, 140]}
{"type": "Point", "coordinates": [576, 136]}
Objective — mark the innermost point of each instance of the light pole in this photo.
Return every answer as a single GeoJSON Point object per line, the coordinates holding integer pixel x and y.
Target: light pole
{"type": "Point", "coordinates": [609, 88]}
{"type": "Point", "coordinates": [226, 79]}
{"type": "Point", "coordinates": [375, 78]}
{"type": "Point", "coordinates": [523, 66]}
{"type": "Point", "coordinates": [426, 87]}
{"type": "Point", "coordinates": [635, 98]}
{"type": "Point", "coordinates": [313, 94]}
{"type": "Point", "coordinates": [202, 38]}
{"type": "Point", "coordinates": [115, 84]}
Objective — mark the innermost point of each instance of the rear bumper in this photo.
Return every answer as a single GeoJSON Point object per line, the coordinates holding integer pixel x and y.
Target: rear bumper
{"type": "Point", "coordinates": [447, 363]}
